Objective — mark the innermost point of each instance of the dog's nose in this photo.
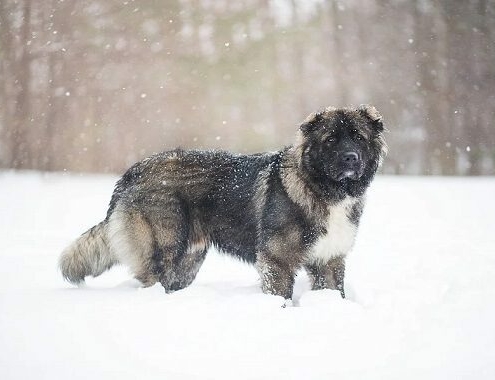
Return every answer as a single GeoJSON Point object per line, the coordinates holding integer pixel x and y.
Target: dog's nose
{"type": "Point", "coordinates": [350, 157]}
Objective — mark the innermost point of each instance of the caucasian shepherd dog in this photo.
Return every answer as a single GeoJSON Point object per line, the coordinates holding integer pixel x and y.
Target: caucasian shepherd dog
{"type": "Point", "coordinates": [295, 208]}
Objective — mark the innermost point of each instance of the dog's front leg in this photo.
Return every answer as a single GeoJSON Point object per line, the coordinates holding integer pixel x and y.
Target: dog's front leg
{"type": "Point", "coordinates": [329, 275]}
{"type": "Point", "coordinates": [277, 276]}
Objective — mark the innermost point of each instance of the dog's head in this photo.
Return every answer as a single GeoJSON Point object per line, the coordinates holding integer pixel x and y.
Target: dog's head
{"type": "Point", "coordinates": [342, 145]}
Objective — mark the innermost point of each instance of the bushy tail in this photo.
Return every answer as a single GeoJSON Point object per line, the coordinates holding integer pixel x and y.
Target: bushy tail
{"type": "Point", "coordinates": [88, 255]}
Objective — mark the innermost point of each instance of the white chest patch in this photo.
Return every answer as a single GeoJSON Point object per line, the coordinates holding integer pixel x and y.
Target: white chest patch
{"type": "Point", "coordinates": [340, 235]}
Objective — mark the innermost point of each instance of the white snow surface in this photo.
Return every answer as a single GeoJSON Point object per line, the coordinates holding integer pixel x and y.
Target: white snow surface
{"type": "Point", "coordinates": [420, 281]}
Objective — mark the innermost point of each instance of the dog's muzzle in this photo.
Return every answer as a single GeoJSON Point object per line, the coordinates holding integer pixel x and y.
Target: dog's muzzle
{"type": "Point", "coordinates": [351, 164]}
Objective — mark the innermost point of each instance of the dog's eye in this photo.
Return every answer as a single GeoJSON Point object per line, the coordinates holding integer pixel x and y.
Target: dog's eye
{"type": "Point", "coordinates": [357, 135]}
{"type": "Point", "coordinates": [331, 139]}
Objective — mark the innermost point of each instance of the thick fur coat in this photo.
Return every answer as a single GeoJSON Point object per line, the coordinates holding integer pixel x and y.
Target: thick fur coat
{"type": "Point", "coordinates": [283, 211]}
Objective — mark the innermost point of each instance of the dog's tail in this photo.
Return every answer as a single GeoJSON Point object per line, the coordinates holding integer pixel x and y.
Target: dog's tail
{"type": "Point", "coordinates": [88, 255]}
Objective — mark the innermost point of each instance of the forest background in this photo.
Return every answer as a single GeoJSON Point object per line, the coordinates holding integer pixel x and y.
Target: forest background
{"type": "Point", "coordinates": [95, 85]}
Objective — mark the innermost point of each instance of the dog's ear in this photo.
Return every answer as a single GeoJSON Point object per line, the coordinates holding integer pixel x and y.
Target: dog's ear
{"type": "Point", "coordinates": [372, 114]}
{"type": "Point", "coordinates": [311, 123]}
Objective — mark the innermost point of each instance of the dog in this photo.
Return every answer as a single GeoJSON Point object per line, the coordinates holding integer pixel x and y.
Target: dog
{"type": "Point", "coordinates": [295, 208]}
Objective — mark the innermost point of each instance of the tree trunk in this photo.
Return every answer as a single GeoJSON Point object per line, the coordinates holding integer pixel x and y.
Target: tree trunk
{"type": "Point", "coordinates": [21, 155]}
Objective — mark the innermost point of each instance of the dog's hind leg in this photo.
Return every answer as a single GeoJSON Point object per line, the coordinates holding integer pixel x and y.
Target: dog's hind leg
{"type": "Point", "coordinates": [175, 261]}
{"type": "Point", "coordinates": [170, 245]}
{"type": "Point", "coordinates": [186, 268]}
{"type": "Point", "coordinates": [153, 241]}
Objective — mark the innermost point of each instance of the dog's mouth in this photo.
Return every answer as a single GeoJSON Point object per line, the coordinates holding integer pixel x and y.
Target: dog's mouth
{"type": "Point", "coordinates": [351, 174]}
{"type": "Point", "coordinates": [346, 174]}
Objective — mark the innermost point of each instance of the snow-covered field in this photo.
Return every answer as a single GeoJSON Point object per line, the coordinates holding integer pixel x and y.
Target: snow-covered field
{"type": "Point", "coordinates": [421, 283]}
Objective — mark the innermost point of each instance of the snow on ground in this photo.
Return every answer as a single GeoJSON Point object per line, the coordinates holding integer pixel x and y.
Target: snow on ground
{"type": "Point", "coordinates": [421, 282]}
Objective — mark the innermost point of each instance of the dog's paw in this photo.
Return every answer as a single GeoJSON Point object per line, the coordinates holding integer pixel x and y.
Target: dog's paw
{"type": "Point", "coordinates": [288, 303]}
